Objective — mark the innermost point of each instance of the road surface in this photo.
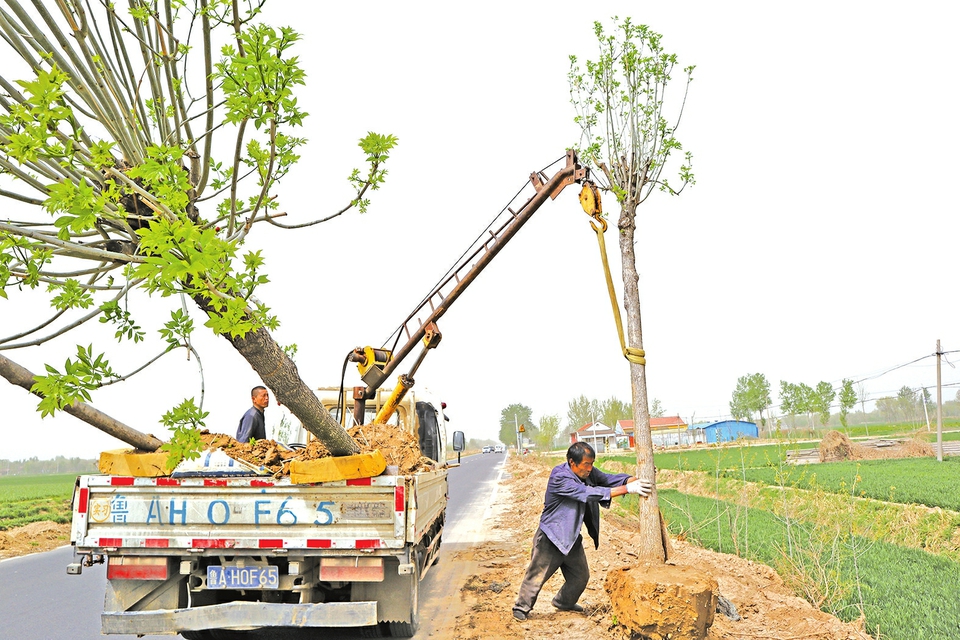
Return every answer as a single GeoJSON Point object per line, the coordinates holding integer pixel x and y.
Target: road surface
{"type": "Point", "coordinates": [39, 601]}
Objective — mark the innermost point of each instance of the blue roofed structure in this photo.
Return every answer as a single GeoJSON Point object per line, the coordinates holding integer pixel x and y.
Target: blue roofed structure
{"type": "Point", "coordinates": [726, 430]}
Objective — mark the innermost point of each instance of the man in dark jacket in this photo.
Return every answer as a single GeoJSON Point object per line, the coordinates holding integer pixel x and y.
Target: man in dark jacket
{"type": "Point", "coordinates": [252, 423]}
{"type": "Point", "coordinates": [575, 492]}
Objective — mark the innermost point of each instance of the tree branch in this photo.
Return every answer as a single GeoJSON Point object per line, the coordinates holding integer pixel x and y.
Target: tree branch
{"type": "Point", "coordinates": [15, 374]}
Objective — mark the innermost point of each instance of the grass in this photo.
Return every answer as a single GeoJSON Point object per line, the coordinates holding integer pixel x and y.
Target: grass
{"type": "Point", "coordinates": [26, 499]}
{"type": "Point", "coordinates": [915, 526]}
{"type": "Point", "coordinates": [904, 593]}
{"type": "Point", "coordinates": [908, 481]}
{"type": "Point", "coordinates": [709, 458]}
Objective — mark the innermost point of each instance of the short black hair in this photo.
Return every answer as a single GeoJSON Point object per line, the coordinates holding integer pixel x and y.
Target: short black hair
{"type": "Point", "coordinates": [580, 450]}
{"type": "Point", "coordinates": [257, 388]}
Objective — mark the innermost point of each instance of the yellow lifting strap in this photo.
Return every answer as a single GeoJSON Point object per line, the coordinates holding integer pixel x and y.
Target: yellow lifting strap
{"type": "Point", "coordinates": [590, 201]}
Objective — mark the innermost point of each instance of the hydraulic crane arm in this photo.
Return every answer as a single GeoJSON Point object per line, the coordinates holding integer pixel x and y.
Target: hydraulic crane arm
{"type": "Point", "coordinates": [376, 365]}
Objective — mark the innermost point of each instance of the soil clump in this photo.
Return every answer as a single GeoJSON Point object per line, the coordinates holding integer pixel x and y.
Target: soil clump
{"type": "Point", "coordinates": [398, 448]}
{"type": "Point", "coordinates": [33, 538]}
{"type": "Point", "coordinates": [837, 446]}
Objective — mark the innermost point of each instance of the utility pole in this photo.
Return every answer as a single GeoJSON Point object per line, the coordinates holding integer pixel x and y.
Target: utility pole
{"type": "Point", "coordinates": [516, 428]}
{"type": "Point", "coordinates": [939, 408]}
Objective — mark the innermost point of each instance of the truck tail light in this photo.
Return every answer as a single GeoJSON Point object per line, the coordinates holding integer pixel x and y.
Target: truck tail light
{"type": "Point", "coordinates": [82, 501]}
{"type": "Point", "coordinates": [137, 568]}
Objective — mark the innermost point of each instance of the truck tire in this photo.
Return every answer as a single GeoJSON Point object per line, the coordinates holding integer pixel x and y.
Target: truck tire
{"type": "Point", "coordinates": [409, 629]}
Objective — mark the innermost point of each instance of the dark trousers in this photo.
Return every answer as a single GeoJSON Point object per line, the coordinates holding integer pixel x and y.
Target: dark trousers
{"type": "Point", "coordinates": [544, 562]}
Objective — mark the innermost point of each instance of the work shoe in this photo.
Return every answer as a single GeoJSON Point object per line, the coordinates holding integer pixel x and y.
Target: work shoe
{"type": "Point", "coordinates": [575, 608]}
{"type": "Point", "coordinates": [519, 615]}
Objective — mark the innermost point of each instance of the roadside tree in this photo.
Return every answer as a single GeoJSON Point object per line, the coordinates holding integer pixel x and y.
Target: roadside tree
{"type": "Point", "coordinates": [822, 398]}
{"type": "Point", "coordinates": [628, 135]}
{"type": "Point", "coordinates": [752, 395]}
{"type": "Point", "coordinates": [547, 430]}
{"type": "Point", "coordinates": [511, 417]}
{"type": "Point", "coordinates": [908, 405]}
{"type": "Point", "coordinates": [791, 401]}
{"type": "Point", "coordinates": [581, 411]}
{"type": "Point", "coordinates": [656, 409]}
{"type": "Point", "coordinates": [888, 408]}
{"type": "Point", "coordinates": [613, 409]}
{"type": "Point", "coordinates": [862, 397]}
{"type": "Point", "coordinates": [134, 159]}
{"type": "Point", "coordinates": [848, 398]}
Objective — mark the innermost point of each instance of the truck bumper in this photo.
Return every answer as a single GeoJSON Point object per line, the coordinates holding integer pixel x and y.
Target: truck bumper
{"type": "Point", "coordinates": [239, 616]}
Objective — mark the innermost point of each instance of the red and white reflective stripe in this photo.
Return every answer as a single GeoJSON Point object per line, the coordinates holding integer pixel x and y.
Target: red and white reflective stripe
{"type": "Point", "coordinates": [373, 543]}
{"type": "Point", "coordinates": [82, 502]}
{"type": "Point", "coordinates": [368, 544]}
{"type": "Point", "coordinates": [399, 501]}
{"type": "Point", "coordinates": [319, 544]}
{"type": "Point", "coordinates": [239, 543]}
{"type": "Point", "coordinates": [213, 543]}
{"type": "Point", "coordinates": [120, 481]}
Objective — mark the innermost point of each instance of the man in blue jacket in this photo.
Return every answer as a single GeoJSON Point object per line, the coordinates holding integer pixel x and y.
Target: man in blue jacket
{"type": "Point", "coordinates": [252, 424]}
{"type": "Point", "coordinates": [575, 492]}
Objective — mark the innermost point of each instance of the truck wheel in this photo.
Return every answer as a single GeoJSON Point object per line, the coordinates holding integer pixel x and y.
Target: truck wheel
{"type": "Point", "coordinates": [409, 629]}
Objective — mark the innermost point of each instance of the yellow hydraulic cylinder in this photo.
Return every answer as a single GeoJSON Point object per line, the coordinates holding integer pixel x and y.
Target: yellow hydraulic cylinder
{"type": "Point", "coordinates": [404, 384]}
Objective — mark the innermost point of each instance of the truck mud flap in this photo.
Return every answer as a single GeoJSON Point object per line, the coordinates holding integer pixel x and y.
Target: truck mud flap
{"type": "Point", "coordinates": [239, 616]}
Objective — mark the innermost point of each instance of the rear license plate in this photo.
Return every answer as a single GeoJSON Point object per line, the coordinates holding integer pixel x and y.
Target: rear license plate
{"type": "Point", "coordinates": [242, 577]}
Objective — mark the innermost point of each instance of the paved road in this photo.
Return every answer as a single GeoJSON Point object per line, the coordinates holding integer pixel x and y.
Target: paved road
{"type": "Point", "coordinates": [38, 601]}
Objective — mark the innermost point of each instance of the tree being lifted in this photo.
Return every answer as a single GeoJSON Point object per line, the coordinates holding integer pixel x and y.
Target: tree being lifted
{"type": "Point", "coordinates": [107, 142]}
{"type": "Point", "coordinates": [620, 105]}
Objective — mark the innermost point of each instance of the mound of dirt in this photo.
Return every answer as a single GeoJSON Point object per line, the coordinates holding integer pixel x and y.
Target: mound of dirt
{"type": "Point", "coordinates": [398, 448]}
{"type": "Point", "coordinates": [837, 446]}
{"type": "Point", "coordinates": [33, 538]}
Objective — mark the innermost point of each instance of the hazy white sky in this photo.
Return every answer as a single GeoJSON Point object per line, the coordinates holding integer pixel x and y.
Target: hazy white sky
{"type": "Point", "coordinates": [816, 245]}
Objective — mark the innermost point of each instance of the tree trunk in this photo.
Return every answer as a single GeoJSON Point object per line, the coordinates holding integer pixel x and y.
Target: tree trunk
{"type": "Point", "coordinates": [650, 545]}
{"type": "Point", "coordinates": [22, 377]}
{"type": "Point", "coordinates": [279, 374]}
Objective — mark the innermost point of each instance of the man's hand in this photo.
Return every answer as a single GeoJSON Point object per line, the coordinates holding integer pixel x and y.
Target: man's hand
{"type": "Point", "coordinates": [640, 487]}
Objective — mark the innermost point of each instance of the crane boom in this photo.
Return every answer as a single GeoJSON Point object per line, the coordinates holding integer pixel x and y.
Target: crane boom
{"type": "Point", "coordinates": [377, 364]}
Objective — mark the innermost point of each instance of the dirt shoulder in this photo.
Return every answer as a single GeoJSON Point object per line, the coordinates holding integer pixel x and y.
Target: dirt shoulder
{"type": "Point", "coordinates": [35, 537]}
{"type": "Point", "coordinates": [768, 608]}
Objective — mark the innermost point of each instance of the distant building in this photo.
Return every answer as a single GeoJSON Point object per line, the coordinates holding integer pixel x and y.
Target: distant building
{"type": "Point", "coordinates": [668, 431]}
{"type": "Point", "coordinates": [597, 435]}
{"type": "Point", "coordinates": [727, 430]}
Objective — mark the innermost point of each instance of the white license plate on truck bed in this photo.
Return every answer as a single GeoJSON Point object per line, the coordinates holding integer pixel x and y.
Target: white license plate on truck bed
{"type": "Point", "coordinates": [219, 577]}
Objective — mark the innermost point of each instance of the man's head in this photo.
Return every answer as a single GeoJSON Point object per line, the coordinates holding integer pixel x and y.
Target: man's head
{"type": "Point", "coordinates": [580, 457]}
{"type": "Point", "coordinates": [260, 397]}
